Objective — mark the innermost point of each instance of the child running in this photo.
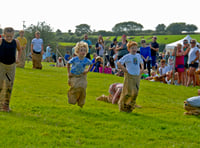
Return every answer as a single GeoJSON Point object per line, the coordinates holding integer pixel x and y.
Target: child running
{"type": "Point", "coordinates": [8, 47]}
{"type": "Point", "coordinates": [77, 78]}
{"type": "Point", "coordinates": [132, 72]}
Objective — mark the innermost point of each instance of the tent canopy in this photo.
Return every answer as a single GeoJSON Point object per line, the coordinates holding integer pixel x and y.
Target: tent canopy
{"type": "Point", "coordinates": [170, 47]}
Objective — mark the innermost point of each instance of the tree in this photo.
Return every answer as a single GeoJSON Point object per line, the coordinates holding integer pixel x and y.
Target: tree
{"type": "Point", "coordinates": [176, 28]}
{"type": "Point", "coordinates": [127, 27]}
{"type": "Point", "coordinates": [191, 28]}
{"type": "Point", "coordinates": [160, 28]}
{"type": "Point", "coordinates": [82, 29]}
{"type": "Point", "coordinates": [46, 33]}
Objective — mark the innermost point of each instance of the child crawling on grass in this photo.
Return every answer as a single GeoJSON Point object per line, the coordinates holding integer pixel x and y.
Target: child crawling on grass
{"type": "Point", "coordinates": [77, 75]}
{"type": "Point", "coordinates": [132, 72]}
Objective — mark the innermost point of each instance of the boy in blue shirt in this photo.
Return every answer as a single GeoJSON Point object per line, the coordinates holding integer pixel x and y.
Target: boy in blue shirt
{"type": "Point", "coordinates": [132, 72]}
{"type": "Point", "coordinates": [77, 75]}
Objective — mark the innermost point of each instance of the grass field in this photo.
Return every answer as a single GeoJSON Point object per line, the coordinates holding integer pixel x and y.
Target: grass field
{"type": "Point", "coordinates": [41, 116]}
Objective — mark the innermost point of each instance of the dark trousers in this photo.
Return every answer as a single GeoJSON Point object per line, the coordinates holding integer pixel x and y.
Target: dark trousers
{"type": "Point", "coordinates": [147, 65]}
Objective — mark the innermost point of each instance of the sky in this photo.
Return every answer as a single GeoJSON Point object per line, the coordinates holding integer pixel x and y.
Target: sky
{"type": "Point", "coordinates": [99, 15]}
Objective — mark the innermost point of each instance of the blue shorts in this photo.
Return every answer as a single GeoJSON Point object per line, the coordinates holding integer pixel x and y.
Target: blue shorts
{"type": "Point", "coordinates": [153, 61]}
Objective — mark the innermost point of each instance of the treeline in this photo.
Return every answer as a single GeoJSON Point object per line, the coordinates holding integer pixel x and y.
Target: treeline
{"type": "Point", "coordinates": [134, 29]}
{"type": "Point", "coordinates": [129, 28]}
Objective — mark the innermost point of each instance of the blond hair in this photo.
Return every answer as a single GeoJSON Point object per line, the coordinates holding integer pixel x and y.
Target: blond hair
{"type": "Point", "coordinates": [79, 45]}
{"type": "Point", "coordinates": [130, 44]}
{"type": "Point", "coordinates": [37, 32]}
{"type": "Point", "coordinates": [21, 31]}
{"type": "Point", "coordinates": [8, 30]}
{"type": "Point", "coordinates": [179, 44]}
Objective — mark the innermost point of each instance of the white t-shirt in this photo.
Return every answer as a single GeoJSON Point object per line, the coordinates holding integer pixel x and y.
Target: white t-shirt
{"type": "Point", "coordinates": [132, 63]}
{"type": "Point", "coordinates": [164, 70]}
{"type": "Point", "coordinates": [192, 55]}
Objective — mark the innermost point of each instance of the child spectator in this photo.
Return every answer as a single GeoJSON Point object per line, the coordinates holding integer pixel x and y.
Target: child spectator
{"type": "Point", "coordinates": [98, 63]}
{"type": "Point", "coordinates": [111, 64]}
{"type": "Point", "coordinates": [77, 76]}
{"type": "Point", "coordinates": [163, 69]}
{"type": "Point", "coordinates": [153, 76]}
{"type": "Point", "coordinates": [60, 62]}
{"type": "Point", "coordinates": [8, 47]}
{"type": "Point", "coordinates": [145, 52]}
{"type": "Point", "coordinates": [93, 62]}
{"type": "Point", "coordinates": [67, 56]}
{"type": "Point", "coordinates": [132, 71]}
{"type": "Point", "coordinates": [145, 74]}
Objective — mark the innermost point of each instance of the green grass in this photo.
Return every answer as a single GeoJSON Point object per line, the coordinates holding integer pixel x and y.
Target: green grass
{"type": "Point", "coordinates": [162, 39]}
{"type": "Point", "coordinates": [41, 116]}
{"type": "Point", "coordinates": [66, 44]}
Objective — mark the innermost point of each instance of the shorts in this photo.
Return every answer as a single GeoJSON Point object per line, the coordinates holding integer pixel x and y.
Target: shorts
{"type": "Point", "coordinates": [195, 65]}
{"type": "Point", "coordinates": [153, 61]}
{"type": "Point", "coordinates": [180, 68]}
{"type": "Point", "coordinates": [186, 65]}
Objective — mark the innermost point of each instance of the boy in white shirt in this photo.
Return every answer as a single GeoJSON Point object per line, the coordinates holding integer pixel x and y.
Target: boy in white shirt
{"type": "Point", "coordinates": [132, 72]}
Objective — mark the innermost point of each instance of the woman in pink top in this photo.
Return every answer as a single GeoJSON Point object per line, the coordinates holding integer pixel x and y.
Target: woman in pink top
{"type": "Point", "coordinates": [180, 64]}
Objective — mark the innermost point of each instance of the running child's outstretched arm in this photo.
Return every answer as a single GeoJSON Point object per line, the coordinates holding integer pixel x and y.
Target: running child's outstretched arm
{"type": "Point", "coordinates": [122, 67]}
{"type": "Point", "coordinates": [86, 71]}
{"type": "Point", "coordinates": [68, 70]}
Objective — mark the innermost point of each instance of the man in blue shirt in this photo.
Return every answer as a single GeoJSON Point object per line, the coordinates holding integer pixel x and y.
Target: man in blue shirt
{"type": "Point", "coordinates": [89, 45]}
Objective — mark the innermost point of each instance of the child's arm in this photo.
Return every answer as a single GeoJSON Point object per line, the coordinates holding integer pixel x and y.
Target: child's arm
{"type": "Point", "coordinates": [31, 48]}
{"type": "Point", "coordinates": [19, 49]}
{"type": "Point", "coordinates": [142, 68]}
{"type": "Point", "coordinates": [68, 70]}
{"type": "Point", "coordinates": [122, 67]}
{"type": "Point", "coordinates": [86, 71]}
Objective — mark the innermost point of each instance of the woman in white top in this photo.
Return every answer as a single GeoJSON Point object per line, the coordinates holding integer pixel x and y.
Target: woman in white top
{"type": "Point", "coordinates": [193, 61]}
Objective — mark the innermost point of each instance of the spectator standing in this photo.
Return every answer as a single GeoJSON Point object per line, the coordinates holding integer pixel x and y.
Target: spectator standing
{"type": "Point", "coordinates": [89, 45]}
{"type": "Point", "coordinates": [112, 47]}
{"type": "Point", "coordinates": [193, 61]}
{"type": "Point", "coordinates": [100, 46]}
{"type": "Point", "coordinates": [145, 52]}
{"type": "Point", "coordinates": [154, 49]}
{"type": "Point", "coordinates": [122, 47]}
{"type": "Point", "coordinates": [179, 63]}
{"type": "Point", "coordinates": [48, 53]}
{"type": "Point", "coordinates": [37, 51]}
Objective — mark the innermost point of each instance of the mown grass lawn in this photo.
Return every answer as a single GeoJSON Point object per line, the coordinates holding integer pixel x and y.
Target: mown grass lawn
{"type": "Point", "coordinates": [41, 116]}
